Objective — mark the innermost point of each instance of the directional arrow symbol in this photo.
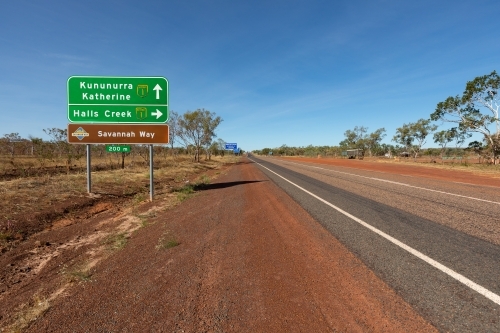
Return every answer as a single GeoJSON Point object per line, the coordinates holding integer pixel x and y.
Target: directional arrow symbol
{"type": "Point", "coordinates": [157, 113]}
{"type": "Point", "coordinates": [157, 88]}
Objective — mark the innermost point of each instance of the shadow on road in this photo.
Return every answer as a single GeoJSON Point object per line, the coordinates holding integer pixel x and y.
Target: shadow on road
{"type": "Point", "coordinates": [204, 187]}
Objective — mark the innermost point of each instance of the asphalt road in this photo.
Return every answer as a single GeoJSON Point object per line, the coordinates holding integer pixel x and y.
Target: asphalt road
{"type": "Point", "coordinates": [435, 244]}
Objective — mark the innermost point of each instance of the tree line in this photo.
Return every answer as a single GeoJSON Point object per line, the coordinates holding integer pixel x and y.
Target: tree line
{"type": "Point", "coordinates": [475, 111]}
{"type": "Point", "coordinates": [194, 133]}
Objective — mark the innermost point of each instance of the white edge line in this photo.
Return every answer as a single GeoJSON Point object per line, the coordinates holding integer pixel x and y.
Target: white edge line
{"type": "Point", "coordinates": [402, 184]}
{"type": "Point", "coordinates": [469, 283]}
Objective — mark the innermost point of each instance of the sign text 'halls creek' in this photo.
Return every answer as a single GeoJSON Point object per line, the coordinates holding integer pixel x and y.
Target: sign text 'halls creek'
{"type": "Point", "coordinates": [140, 100]}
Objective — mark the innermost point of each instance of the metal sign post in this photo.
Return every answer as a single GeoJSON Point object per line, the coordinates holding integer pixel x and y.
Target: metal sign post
{"type": "Point", "coordinates": [151, 182]}
{"type": "Point", "coordinates": [89, 170]}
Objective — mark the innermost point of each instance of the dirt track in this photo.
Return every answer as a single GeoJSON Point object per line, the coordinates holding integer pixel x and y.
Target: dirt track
{"type": "Point", "coordinates": [249, 260]}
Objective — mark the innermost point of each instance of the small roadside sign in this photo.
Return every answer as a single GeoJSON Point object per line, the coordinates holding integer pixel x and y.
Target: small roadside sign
{"type": "Point", "coordinates": [117, 149]}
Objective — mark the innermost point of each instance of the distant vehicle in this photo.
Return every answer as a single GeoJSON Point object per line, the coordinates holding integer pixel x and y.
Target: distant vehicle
{"type": "Point", "coordinates": [355, 153]}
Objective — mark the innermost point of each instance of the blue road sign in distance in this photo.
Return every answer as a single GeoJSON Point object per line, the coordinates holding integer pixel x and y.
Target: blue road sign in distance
{"type": "Point", "coordinates": [231, 146]}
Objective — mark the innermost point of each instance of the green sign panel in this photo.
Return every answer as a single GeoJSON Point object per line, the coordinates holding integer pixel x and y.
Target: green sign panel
{"type": "Point", "coordinates": [117, 149]}
{"type": "Point", "coordinates": [132, 100]}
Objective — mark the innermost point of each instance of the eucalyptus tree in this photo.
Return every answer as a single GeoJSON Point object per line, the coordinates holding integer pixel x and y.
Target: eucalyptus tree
{"type": "Point", "coordinates": [9, 140]}
{"type": "Point", "coordinates": [413, 135]}
{"type": "Point", "coordinates": [197, 128]}
{"type": "Point", "coordinates": [477, 110]}
{"type": "Point", "coordinates": [373, 140]}
{"type": "Point", "coordinates": [42, 150]}
{"type": "Point", "coordinates": [221, 146]}
{"type": "Point", "coordinates": [355, 138]}
{"type": "Point", "coordinates": [68, 152]}
{"type": "Point", "coordinates": [173, 129]}
{"type": "Point", "coordinates": [443, 138]}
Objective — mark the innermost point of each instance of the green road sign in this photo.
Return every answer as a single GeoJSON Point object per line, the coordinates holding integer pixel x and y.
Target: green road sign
{"type": "Point", "coordinates": [133, 100]}
{"type": "Point", "coordinates": [117, 149]}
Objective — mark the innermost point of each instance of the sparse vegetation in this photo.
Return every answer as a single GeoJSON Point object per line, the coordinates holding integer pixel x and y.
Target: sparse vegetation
{"type": "Point", "coordinates": [6, 232]}
{"type": "Point", "coordinates": [79, 273]}
{"type": "Point", "coordinates": [185, 192]}
{"type": "Point", "coordinates": [145, 218]}
{"type": "Point", "coordinates": [139, 197]}
{"type": "Point", "coordinates": [5, 236]}
{"type": "Point", "coordinates": [27, 313]}
{"type": "Point", "coordinates": [57, 199]}
{"type": "Point", "coordinates": [63, 193]}
{"type": "Point", "coordinates": [167, 241]}
{"type": "Point", "coordinates": [116, 241]}
{"type": "Point", "coordinates": [204, 179]}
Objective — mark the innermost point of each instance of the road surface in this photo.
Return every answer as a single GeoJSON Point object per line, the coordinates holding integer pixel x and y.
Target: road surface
{"type": "Point", "coordinates": [435, 242]}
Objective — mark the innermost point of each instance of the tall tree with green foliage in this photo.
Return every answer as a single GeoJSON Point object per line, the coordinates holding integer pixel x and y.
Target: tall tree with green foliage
{"type": "Point", "coordinates": [373, 140]}
{"type": "Point", "coordinates": [413, 135]}
{"type": "Point", "coordinates": [481, 94]}
{"type": "Point", "coordinates": [221, 146]}
{"type": "Point", "coordinates": [443, 138]}
{"type": "Point", "coordinates": [197, 128]}
{"type": "Point", "coordinates": [355, 138]}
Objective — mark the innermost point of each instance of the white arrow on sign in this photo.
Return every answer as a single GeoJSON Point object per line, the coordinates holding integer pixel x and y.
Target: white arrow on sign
{"type": "Point", "coordinates": [158, 113]}
{"type": "Point", "coordinates": [157, 88]}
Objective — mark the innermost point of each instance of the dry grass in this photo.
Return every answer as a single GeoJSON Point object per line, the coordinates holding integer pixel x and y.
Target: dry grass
{"type": "Point", "coordinates": [167, 241]}
{"type": "Point", "coordinates": [116, 241]}
{"type": "Point", "coordinates": [474, 168]}
{"type": "Point", "coordinates": [79, 273]}
{"type": "Point", "coordinates": [185, 192]}
{"type": "Point", "coordinates": [35, 194]}
{"type": "Point", "coordinates": [44, 193]}
{"type": "Point", "coordinates": [28, 313]}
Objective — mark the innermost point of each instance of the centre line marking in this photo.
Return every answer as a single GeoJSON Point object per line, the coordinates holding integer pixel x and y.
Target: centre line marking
{"type": "Point", "coordinates": [397, 183]}
{"type": "Point", "coordinates": [459, 277]}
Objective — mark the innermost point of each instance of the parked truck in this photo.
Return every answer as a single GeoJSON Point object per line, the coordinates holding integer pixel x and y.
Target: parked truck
{"type": "Point", "coordinates": [355, 153]}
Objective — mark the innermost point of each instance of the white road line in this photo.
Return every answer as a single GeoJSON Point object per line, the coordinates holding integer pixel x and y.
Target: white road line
{"type": "Point", "coordinates": [471, 284]}
{"type": "Point", "coordinates": [397, 183]}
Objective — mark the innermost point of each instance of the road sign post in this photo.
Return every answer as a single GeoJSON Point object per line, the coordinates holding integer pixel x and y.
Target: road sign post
{"type": "Point", "coordinates": [151, 170]}
{"type": "Point", "coordinates": [89, 169]}
{"type": "Point", "coordinates": [127, 100]}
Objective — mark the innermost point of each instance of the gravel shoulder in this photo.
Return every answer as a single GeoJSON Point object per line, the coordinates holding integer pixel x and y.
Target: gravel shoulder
{"type": "Point", "coordinates": [248, 259]}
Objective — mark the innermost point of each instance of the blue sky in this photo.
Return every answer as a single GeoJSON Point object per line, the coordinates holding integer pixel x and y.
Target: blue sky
{"type": "Point", "coordinates": [277, 72]}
